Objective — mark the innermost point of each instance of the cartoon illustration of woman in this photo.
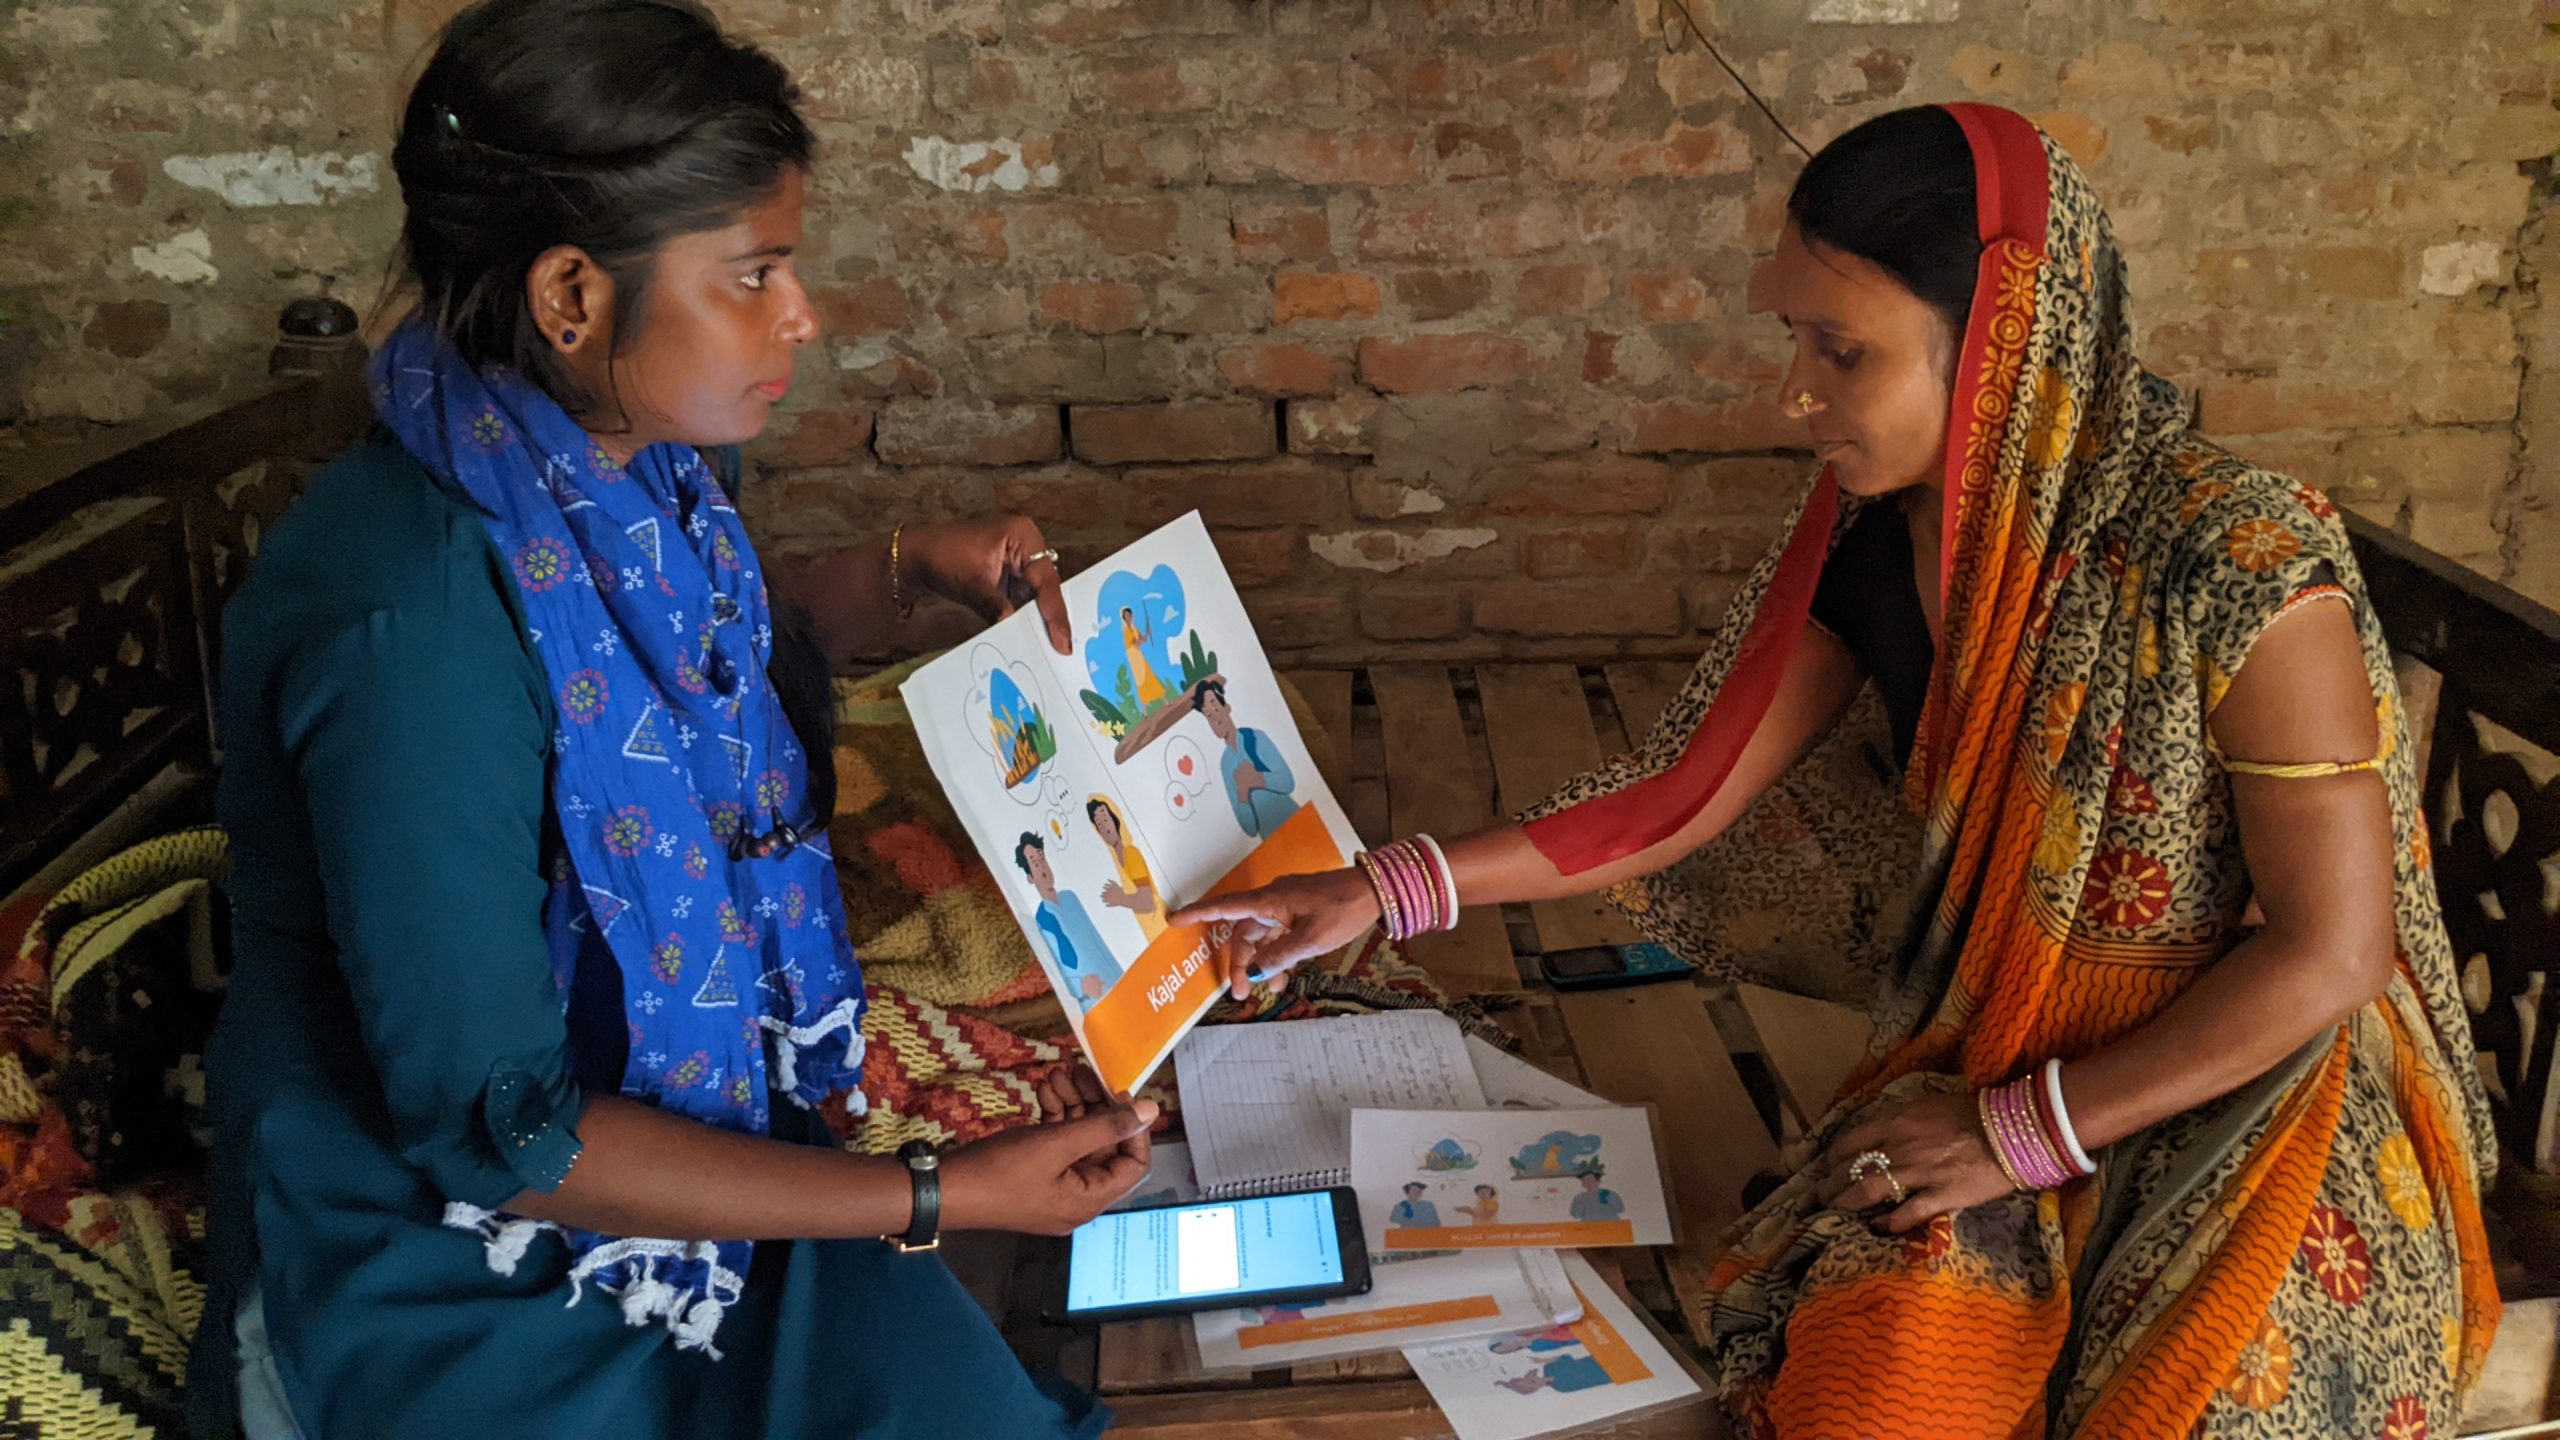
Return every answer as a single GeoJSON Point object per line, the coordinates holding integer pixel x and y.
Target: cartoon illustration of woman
{"type": "Point", "coordinates": [1487, 1209]}
{"type": "Point", "coordinates": [1142, 676]}
{"type": "Point", "coordinates": [1135, 890]}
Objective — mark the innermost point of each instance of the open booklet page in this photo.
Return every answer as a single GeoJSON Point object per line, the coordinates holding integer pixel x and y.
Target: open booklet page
{"type": "Point", "coordinates": [1497, 1179]}
{"type": "Point", "coordinates": [1412, 1300]}
{"type": "Point", "coordinates": [1153, 767]}
{"type": "Point", "coordinates": [1557, 1379]}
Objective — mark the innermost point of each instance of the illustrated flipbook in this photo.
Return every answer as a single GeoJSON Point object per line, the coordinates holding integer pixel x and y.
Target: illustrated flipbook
{"type": "Point", "coordinates": [1155, 766]}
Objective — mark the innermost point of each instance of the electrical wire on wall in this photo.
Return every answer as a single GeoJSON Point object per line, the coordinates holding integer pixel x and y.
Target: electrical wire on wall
{"type": "Point", "coordinates": [1718, 56]}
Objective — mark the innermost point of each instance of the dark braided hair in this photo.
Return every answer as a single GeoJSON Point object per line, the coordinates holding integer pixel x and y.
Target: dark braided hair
{"type": "Point", "coordinates": [610, 125]}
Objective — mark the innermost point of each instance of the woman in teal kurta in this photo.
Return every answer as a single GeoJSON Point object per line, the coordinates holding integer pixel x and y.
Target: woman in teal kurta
{"type": "Point", "coordinates": [429, 1136]}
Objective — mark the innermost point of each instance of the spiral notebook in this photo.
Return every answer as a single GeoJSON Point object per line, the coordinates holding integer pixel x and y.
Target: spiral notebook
{"type": "Point", "coordinates": [1267, 1107]}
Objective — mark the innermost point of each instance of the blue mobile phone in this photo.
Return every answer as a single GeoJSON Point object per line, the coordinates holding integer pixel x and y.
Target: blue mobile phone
{"type": "Point", "coordinates": [1216, 1254]}
{"type": "Point", "coordinates": [1597, 967]}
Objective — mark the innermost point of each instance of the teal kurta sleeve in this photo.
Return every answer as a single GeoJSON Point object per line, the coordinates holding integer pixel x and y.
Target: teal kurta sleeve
{"type": "Point", "coordinates": [419, 753]}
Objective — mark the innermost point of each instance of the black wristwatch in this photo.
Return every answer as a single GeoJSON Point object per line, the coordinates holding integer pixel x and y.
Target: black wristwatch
{"type": "Point", "coordinates": [924, 1171]}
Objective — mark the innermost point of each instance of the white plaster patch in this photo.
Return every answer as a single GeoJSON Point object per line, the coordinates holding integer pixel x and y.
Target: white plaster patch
{"type": "Point", "coordinates": [1418, 502]}
{"type": "Point", "coordinates": [863, 355]}
{"type": "Point", "coordinates": [185, 258]}
{"type": "Point", "coordinates": [1882, 12]}
{"type": "Point", "coordinates": [975, 166]}
{"type": "Point", "coordinates": [255, 178]}
{"type": "Point", "coordinates": [1385, 550]}
{"type": "Point", "coordinates": [2462, 266]}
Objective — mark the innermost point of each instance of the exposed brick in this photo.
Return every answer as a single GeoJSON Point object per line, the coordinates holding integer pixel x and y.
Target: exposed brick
{"type": "Point", "coordinates": [1117, 227]}
{"type": "Point", "coordinates": [1666, 426]}
{"type": "Point", "coordinates": [1269, 234]}
{"type": "Point", "coordinates": [824, 437]}
{"type": "Point", "coordinates": [1217, 305]}
{"type": "Point", "coordinates": [1438, 229]}
{"type": "Point", "coordinates": [1314, 157]}
{"type": "Point", "coordinates": [2260, 407]}
{"type": "Point", "coordinates": [1271, 493]}
{"type": "Point", "coordinates": [1597, 485]}
{"type": "Point", "coordinates": [1669, 297]}
{"type": "Point", "coordinates": [2441, 462]}
{"type": "Point", "coordinates": [1294, 622]}
{"type": "Point", "coordinates": [1341, 425]}
{"type": "Point", "coordinates": [1442, 294]}
{"type": "Point", "coordinates": [869, 307]}
{"type": "Point", "coordinates": [1055, 496]}
{"type": "Point", "coordinates": [1412, 613]}
{"type": "Point", "coordinates": [1256, 558]}
{"type": "Point", "coordinates": [1681, 152]}
{"type": "Point", "coordinates": [1172, 430]}
{"type": "Point", "coordinates": [1282, 370]}
{"type": "Point", "coordinates": [1443, 362]}
{"type": "Point", "coordinates": [1153, 161]}
{"type": "Point", "coordinates": [2085, 138]}
{"type": "Point", "coordinates": [1714, 547]}
{"type": "Point", "coordinates": [1475, 152]}
{"type": "Point", "coordinates": [1098, 307]}
{"type": "Point", "coordinates": [875, 370]}
{"type": "Point", "coordinates": [1561, 289]}
{"type": "Point", "coordinates": [1579, 550]}
{"type": "Point", "coordinates": [1535, 608]}
{"type": "Point", "coordinates": [127, 329]}
{"type": "Point", "coordinates": [965, 432]}
{"type": "Point", "coordinates": [973, 308]}
{"type": "Point", "coordinates": [1146, 86]}
{"type": "Point", "coordinates": [1322, 295]}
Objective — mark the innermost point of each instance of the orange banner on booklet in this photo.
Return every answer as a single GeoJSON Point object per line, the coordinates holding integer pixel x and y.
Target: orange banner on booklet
{"type": "Point", "coordinates": [1181, 973]}
{"type": "Point", "coordinates": [1367, 1322]}
{"type": "Point", "coordinates": [1617, 1359]}
{"type": "Point", "coordinates": [1562, 1235]}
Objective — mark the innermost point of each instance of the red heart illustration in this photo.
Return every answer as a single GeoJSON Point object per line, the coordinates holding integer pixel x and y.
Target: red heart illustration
{"type": "Point", "coordinates": [1183, 764]}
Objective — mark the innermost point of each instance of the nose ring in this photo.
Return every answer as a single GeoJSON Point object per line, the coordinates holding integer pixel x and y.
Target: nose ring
{"type": "Point", "coordinates": [1806, 403]}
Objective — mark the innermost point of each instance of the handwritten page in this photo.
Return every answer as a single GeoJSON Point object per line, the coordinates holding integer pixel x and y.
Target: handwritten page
{"type": "Point", "coordinates": [1508, 1179]}
{"type": "Point", "coordinates": [1559, 1378]}
{"type": "Point", "coordinates": [1268, 1107]}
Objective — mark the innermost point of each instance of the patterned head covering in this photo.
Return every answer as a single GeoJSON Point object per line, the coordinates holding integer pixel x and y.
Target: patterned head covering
{"type": "Point", "coordinates": [2105, 573]}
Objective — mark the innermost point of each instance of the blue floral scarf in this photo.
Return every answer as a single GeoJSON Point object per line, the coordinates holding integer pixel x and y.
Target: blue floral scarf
{"type": "Point", "coordinates": [641, 594]}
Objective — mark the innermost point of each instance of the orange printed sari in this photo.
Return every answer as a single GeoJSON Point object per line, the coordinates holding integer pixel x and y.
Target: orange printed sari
{"type": "Point", "coordinates": [2302, 1257]}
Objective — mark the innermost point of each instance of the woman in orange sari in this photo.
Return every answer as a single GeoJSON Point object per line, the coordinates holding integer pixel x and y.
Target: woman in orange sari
{"type": "Point", "coordinates": [2170, 1125]}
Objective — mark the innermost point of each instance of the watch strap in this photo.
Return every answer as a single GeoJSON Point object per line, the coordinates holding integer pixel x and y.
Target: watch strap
{"type": "Point", "coordinates": [924, 1175]}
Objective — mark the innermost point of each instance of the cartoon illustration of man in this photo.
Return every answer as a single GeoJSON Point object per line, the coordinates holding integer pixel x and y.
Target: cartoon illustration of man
{"type": "Point", "coordinates": [1595, 1203]}
{"type": "Point", "coordinates": [1260, 786]}
{"type": "Point", "coordinates": [1488, 1205]}
{"type": "Point", "coordinates": [1566, 1373]}
{"type": "Point", "coordinates": [1073, 942]}
{"type": "Point", "coordinates": [1135, 889]}
{"type": "Point", "coordinates": [1413, 1212]}
{"type": "Point", "coordinates": [1537, 1342]}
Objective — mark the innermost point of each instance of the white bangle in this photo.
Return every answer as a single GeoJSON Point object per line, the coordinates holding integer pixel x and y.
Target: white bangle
{"type": "Point", "coordinates": [1448, 881]}
{"type": "Point", "coordinates": [2062, 1118]}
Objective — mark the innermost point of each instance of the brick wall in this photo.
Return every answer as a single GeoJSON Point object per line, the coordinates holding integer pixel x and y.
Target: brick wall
{"type": "Point", "coordinates": [1435, 309]}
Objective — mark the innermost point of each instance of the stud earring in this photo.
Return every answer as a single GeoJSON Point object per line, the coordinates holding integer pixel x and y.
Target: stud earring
{"type": "Point", "coordinates": [568, 337]}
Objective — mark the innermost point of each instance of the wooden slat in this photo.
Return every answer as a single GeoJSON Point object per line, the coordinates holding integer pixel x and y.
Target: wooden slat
{"type": "Point", "coordinates": [1155, 1354]}
{"type": "Point", "coordinates": [1431, 786]}
{"type": "Point", "coordinates": [2497, 649]}
{"type": "Point", "coordinates": [1328, 693]}
{"type": "Point", "coordinates": [1812, 1044]}
{"type": "Point", "coordinates": [1539, 728]}
{"type": "Point", "coordinates": [1376, 1410]}
{"type": "Point", "coordinates": [1642, 688]}
{"type": "Point", "coordinates": [1654, 1044]}
{"type": "Point", "coordinates": [1385, 1365]}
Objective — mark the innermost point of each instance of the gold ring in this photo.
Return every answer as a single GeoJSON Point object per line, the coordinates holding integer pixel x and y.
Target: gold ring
{"type": "Point", "coordinates": [1876, 1162]}
{"type": "Point", "coordinates": [1050, 555]}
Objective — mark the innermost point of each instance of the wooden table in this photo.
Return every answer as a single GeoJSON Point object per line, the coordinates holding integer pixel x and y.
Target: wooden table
{"type": "Point", "coordinates": [1732, 1069]}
